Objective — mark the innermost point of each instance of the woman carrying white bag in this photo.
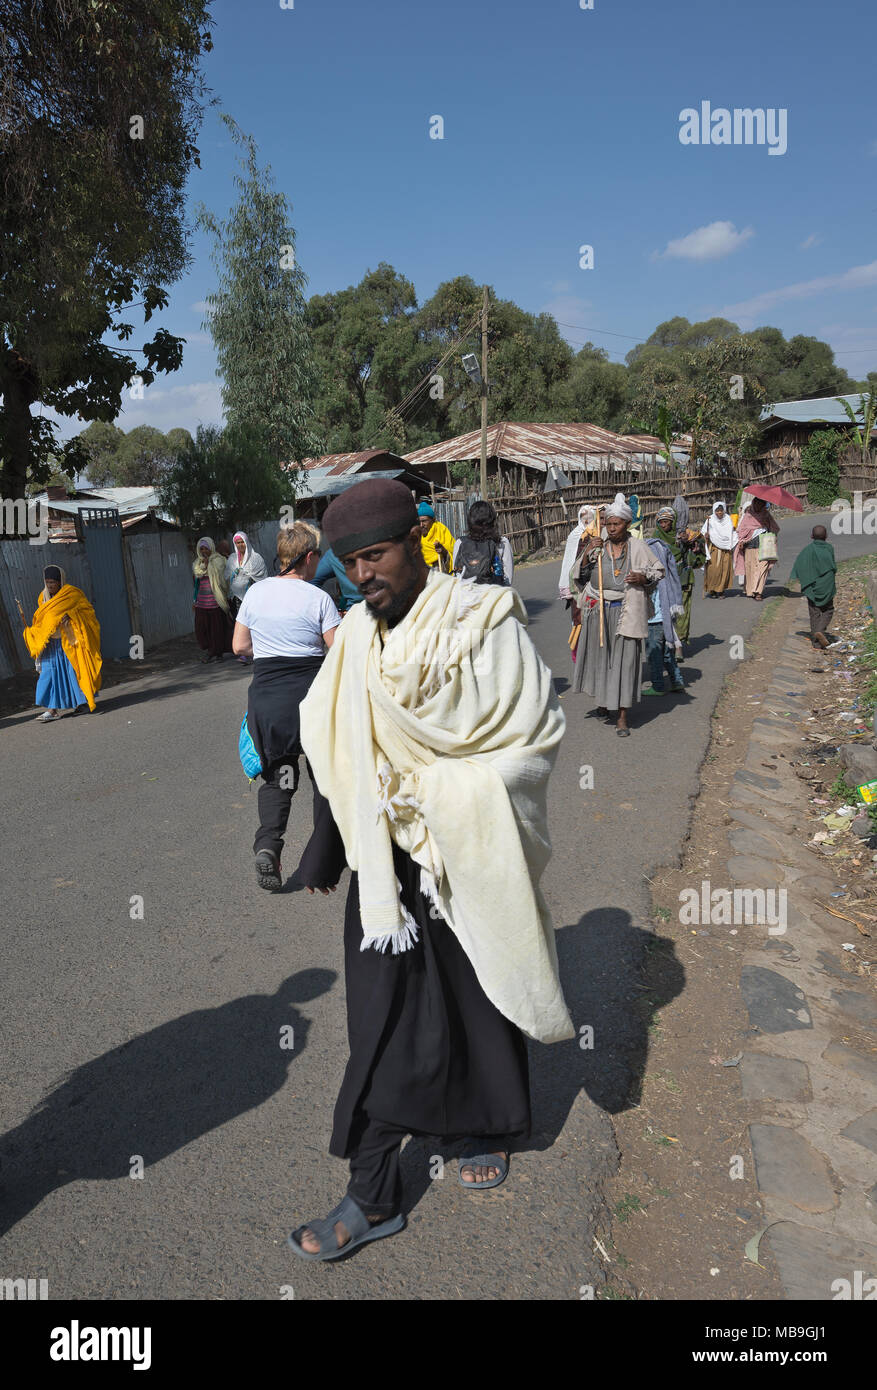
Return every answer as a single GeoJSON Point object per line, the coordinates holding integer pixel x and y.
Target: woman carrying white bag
{"type": "Point", "coordinates": [756, 549]}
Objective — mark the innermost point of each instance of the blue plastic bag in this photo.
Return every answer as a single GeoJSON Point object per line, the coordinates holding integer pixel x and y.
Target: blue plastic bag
{"type": "Point", "coordinates": [250, 760]}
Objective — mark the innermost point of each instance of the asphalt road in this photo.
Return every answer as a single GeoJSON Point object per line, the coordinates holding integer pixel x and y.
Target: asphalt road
{"type": "Point", "coordinates": [159, 1036]}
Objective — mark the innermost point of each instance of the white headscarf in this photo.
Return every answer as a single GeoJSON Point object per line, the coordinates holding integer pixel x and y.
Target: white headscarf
{"type": "Point", "coordinates": [586, 516]}
{"type": "Point", "coordinates": [719, 533]}
{"type": "Point", "coordinates": [620, 508]}
{"type": "Point", "coordinates": [241, 574]}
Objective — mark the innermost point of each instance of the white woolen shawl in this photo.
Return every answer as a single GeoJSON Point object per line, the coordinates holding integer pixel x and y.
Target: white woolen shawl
{"type": "Point", "coordinates": [442, 739]}
{"type": "Point", "coordinates": [586, 516]}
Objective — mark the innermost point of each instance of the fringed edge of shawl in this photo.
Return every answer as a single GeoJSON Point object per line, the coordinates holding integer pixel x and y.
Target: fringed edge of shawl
{"type": "Point", "coordinates": [400, 939]}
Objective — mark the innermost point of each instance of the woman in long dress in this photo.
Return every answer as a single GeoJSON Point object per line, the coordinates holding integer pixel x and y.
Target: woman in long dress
{"type": "Point", "coordinates": [64, 640]}
{"type": "Point", "coordinates": [748, 560]}
{"type": "Point", "coordinates": [210, 601]}
{"type": "Point", "coordinates": [612, 673]}
{"type": "Point", "coordinates": [720, 536]}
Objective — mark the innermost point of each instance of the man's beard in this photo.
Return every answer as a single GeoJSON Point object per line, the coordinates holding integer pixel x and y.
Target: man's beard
{"type": "Point", "coordinates": [401, 602]}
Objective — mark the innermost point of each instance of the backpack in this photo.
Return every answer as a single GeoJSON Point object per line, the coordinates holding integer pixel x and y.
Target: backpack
{"type": "Point", "coordinates": [479, 561]}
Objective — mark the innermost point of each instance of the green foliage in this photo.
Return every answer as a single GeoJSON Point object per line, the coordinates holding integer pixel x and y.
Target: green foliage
{"type": "Point", "coordinates": [690, 391]}
{"type": "Point", "coordinates": [91, 220]}
{"type": "Point", "coordinates": [140, 458]}
{"type": "Point", "coordinates": [862, 422]}
{"type": "Point", "coordinates": [841, 788]}
{"type": "Point", "coordinates": [226, 479]}
{"type": "Point", "coordinates": [257, 316]}
{"type": "Point", "coordinates": [819, 464]}
{"type": "Point", "coordinates": [463, 474]}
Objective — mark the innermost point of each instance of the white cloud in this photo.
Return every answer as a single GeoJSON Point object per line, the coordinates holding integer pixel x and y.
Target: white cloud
{"type": "Point", "coordinates": [812, 240]}
{"type": "Point", "coordinates": [172, 407]}
{"type": "Point", "coordinates": [708, 243]}
{"type": "Point", "coordinates": [857, 277]}
{"type": "Point", "coordinates": [567, 309]}
{"type": "Point", "coordinates": [200, 307]}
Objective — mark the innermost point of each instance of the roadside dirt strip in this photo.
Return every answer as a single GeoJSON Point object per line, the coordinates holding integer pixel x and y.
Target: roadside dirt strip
{"type": "Point", "coordinates": [748, 1169]}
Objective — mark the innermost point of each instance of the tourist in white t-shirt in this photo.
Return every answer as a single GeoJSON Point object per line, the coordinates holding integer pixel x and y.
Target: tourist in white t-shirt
{"type": "Point", "coordinates": [286, 624]}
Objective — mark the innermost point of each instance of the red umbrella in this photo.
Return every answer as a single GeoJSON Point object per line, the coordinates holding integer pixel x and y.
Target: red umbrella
{"type": "Point", "coordinates": [778, 497]}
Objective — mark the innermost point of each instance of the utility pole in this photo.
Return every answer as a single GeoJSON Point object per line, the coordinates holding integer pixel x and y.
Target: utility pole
{"type": "Point", "coordinates": [484, 304]}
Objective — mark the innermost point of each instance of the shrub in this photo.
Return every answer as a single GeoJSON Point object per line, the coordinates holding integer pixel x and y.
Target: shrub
{"type": "Point", "coordinates": [820, 467]}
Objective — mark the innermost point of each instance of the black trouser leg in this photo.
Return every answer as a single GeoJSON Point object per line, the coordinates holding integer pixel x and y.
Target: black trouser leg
{"type": "Point", "coordinates": [375, 1184]}
{"type": "Point", "coordinates": [279, 784]}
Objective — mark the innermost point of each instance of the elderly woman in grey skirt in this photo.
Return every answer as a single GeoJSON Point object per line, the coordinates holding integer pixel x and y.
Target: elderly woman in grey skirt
{"type": "Point", "coordinates": [612, 673]}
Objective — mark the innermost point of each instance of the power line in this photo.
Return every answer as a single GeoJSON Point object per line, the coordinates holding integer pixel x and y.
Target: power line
{"type": "Point", "coordinates": [605, 332]}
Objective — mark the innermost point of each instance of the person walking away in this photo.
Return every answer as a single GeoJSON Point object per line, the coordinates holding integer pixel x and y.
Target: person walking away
{"type": "Point", "coordinates": [720, 537]}
{"type": "Point", "coordinates": [636, 525]}
{"type": "Point", "coordinates": [611, 672]}
{"type": "Point", "coordinates": [284, 623]}
{"type": "Point", "coordinates": [689, 556]}
{"type": "Point", "coordinates": [64, 640]}
{"type": "Point", "coordinates": [450, 956]}
{"type": "Point", "coordinates": [330, 567]}
{"type": "Point", "coordinates": [483, 555]}
{"type": "Point", "coordinates": [436, 539]}
{"type": "Point", "coordinates": [666, 600]}
{"type": "Point", "coordinates": [210, 601]}
{"type": "Point", "coordinates": [815, 569]}
{"type": "Point", "coordinates": [756, 549]}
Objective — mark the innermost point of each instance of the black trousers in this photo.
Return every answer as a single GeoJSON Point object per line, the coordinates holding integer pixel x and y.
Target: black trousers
{"type": "Point", "coordinates": [279, 785]}
{"type": "Point", "coordinates": [375, 1182]}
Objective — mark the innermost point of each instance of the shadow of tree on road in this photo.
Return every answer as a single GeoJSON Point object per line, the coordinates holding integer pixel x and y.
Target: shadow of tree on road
{"type": "Point", "coordinates": [155, 1094]}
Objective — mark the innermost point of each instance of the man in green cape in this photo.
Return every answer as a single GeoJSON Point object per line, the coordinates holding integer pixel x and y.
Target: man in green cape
{"type": "Point", "coordinates": [814, 570]}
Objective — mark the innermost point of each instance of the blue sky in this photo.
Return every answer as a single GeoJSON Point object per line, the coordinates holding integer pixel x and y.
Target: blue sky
{"type": "Point", "coordinates": [561, 128]}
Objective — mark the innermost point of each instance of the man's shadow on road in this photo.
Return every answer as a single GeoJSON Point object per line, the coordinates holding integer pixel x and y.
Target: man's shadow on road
{"type": "Point", "coordinates": [601, 962]}
{"type": "Point", "coordinates": [156, 1093]}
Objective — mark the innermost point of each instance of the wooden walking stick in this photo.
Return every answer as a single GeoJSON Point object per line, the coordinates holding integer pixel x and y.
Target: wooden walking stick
{"type": "Point", "coordinates": [599, 533]}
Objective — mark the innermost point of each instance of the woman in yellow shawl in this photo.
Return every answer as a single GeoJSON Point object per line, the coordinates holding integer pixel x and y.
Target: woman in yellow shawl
{"type": "Point", "coordinates": [213, 623]}
{"type": "Point", "coordinates": [64, 640]}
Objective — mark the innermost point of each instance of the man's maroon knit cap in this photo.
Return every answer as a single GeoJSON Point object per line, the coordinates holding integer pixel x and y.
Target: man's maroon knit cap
{"type": "Point", "coordinates": [377, 509]}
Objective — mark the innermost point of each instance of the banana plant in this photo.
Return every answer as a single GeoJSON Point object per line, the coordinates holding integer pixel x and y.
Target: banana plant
{"type": "Point", "coordinates": [861, 435]}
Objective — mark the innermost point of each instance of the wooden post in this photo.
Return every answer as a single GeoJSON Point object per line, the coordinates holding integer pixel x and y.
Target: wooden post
{"type": "Point", "coordinates": [484, 304]}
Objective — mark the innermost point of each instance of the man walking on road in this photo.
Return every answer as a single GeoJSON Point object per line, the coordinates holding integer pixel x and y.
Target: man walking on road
{"type": "Point", "coordinates": [431, 729]}
{"type": "Point", "coordinates": [815, 570]}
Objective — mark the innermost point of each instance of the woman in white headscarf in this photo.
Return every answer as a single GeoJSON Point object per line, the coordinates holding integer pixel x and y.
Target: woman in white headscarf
{"type": "Point", "coordinates": [210, 601]}
{"type": "Point", "coordinates": [612, 673]}
{"type": "Point", "coordinates": [720, 536]}
{"type": "Point", "coordinates": [573, 540]}
{"type": "Point", "coordinates": [244, 567]}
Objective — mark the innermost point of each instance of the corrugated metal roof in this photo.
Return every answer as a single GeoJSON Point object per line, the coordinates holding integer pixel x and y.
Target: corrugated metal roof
{"type": "Point", "coordinates": [813, 412]}
{"type": "Point", "coordinates": [327, 483]}
{"type": "Point", "coordinates": [571, 446]}
{"type": "Point", "coordinates": [128, 501]}
{"type": "Point", "coordinates": [338, 464]}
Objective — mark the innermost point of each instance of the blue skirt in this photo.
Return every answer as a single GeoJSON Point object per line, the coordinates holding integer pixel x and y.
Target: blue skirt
{"type": "Point", "coordinates": [57, 687]}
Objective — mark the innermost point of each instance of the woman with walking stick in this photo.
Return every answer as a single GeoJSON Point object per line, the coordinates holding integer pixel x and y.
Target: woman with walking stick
{"type": "Point", "coordinates": [613, 579]}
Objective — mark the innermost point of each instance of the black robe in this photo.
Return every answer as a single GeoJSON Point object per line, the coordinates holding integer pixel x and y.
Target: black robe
{"type": "Point", "coordinates": [429, 1052]}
